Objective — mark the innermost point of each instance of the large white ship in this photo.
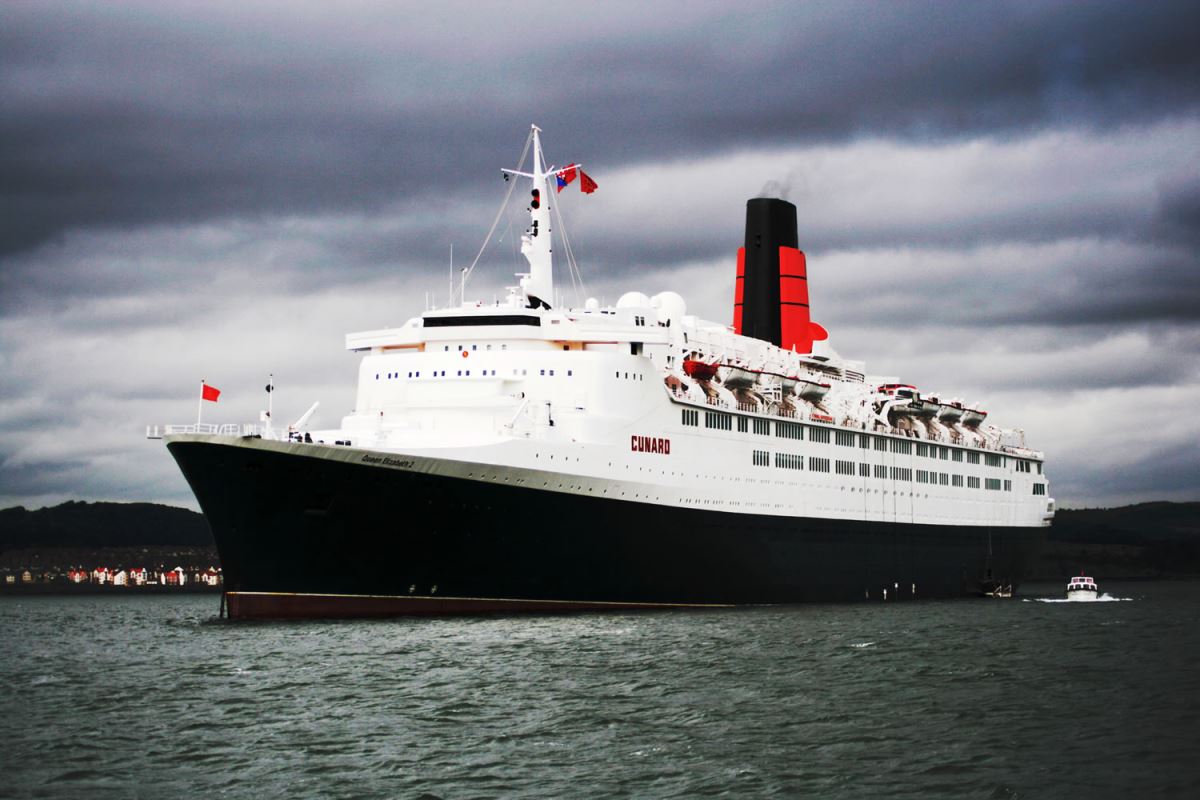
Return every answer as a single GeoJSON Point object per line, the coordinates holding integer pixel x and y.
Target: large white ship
{"type": "Point", "coordinates": [521, 455]}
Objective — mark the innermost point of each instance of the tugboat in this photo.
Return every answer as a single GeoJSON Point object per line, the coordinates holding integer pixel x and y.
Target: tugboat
{"type": "Point", "coordinates": [1082, 588]}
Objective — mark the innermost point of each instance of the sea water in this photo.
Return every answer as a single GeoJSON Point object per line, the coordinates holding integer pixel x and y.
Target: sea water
{"type": "Point", "coordinates": [153, 696]}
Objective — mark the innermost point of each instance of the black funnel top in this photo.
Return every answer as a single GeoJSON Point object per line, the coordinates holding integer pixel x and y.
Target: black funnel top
{"type": "Point", "coordinates": [770, 224]}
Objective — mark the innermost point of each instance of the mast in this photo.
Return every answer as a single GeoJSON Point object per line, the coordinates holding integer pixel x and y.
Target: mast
{"type": "Point", "coordinates": [538, 284]}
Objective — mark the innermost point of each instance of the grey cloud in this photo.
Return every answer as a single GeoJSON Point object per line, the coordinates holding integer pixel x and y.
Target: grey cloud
{"type": "Point", "coordinates": [130, 113]}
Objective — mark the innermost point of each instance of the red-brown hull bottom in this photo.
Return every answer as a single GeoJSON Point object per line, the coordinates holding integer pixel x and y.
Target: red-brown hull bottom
{"type": "Point", "coordinates": [277, 605]}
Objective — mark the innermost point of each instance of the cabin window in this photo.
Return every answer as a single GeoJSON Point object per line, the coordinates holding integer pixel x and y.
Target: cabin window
{"type": "Point", "coordinates": [972, 458]}
{"type": "Point", "coordinates": [818, 435]}
{"type": "Point", "coordinates": [762, 427]}
{"type": "Point", "coordinates": [956, 455]}
{"type": "Point", "coordinates": [843, 467]}
{"type": "Point", "coordinates": [880, 471]}
{"type": "Point", "coordinates": [789, 430]}
{"type": "Point", "coordinates": [1039, 488]}
{"type": "Point", "coordinates": [845, 438]}
{"type": "Point", "coordinates": [761, 458]}
{"type": "Point", "coordinates": [818, 464]}
{"type": "Point", "coordinates": [972, 482]}
{"type": "Point", "coordinates": [743, 424]}
{"type": "Point", "coordinates": [956, 480]}
{"type": "Point", "coordinates": [691, 416]}
{"type": "Point", "coordinates": [864, 470]}
{"type": "Point", "coordinates": [881, 444]}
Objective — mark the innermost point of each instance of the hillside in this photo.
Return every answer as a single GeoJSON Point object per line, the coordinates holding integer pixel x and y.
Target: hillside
{"type": "Point", "coordinates": [94, 525]}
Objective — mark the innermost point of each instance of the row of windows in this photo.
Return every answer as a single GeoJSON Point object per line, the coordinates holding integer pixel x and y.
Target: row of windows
{"type": "Point", "coordinates": [636, 376]}
{"type": "Point", "coordinates": [791, 430]}
{"type": "Point", "coordinates": [789, 461]}
{"type": "Point", "coordinates": [794, 430]}
{"type": "Point", "coordinates": [1039, 488]}
{"type": "Point", "coordinates": [762, 458]}
{"type": "Point", "coordinates": [718, 420]}
{"type": "Point", "coordinates": [466, 373]}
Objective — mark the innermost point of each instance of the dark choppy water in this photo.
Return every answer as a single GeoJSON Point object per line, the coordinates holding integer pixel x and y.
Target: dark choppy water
{"type": "Point", "coordinates": [150, 696]}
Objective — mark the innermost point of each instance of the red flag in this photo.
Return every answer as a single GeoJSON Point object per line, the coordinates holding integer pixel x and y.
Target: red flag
{"type": "Point", "coordinates": [586, 184]}
{"type": "Point", "coordinates": [565, 176]}
{"type": "Point", "coordinates": [210, 393]}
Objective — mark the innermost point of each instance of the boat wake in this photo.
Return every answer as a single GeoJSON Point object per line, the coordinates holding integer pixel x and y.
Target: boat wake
{"type": "Point", "coordinates": [1104, 598]}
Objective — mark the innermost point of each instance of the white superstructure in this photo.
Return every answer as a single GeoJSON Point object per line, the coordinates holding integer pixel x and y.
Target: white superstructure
{"type": "Point", "coordinates": [618, 401]}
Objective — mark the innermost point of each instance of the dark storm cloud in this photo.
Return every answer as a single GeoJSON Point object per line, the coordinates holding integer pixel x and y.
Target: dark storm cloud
{"type": "Point", "coordinates": [122, 114]}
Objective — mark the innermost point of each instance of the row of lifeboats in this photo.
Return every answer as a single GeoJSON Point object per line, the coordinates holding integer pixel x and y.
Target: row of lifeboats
{"type": "Point", "coordinates": [735, 377]}
{"type": "Point", "coordinates": [903, 398]}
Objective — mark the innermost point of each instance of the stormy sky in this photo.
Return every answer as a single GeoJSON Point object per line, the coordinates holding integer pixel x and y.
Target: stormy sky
{"type": "Point", "coordinates": [999, 201]}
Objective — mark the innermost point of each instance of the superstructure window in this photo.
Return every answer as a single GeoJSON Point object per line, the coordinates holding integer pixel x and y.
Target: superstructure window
{"type": "Point", "coordinates": [718, 420]}
{"type": "Point", "coordinates": [845, 438]}
{"type": "Point", "coordinates": [761, 458]}
{"type": "Point", "coordinates": [843, 467]}
{"type": "Point", "coordinates": [901, 473]}
{"type": "Point", "coordinates": [1039, 488]}
{"type": "Point", "coordinates": [1008, 486]}
{"type": "Point", "coordinates": [743, 424]}
{"type": "Point", "coordinates": [691, 416]}
{"type": "Point", "coordinates": [993, 460]}
{"type": "Point", "coordinates": [972, 458]}
{"type": "Point", "coordinates": [956, 455]}
{"type": "Point", "coordinates": [789, 430]}
{"type": "Point", "coordinates": [922, 449]}
{"type": "Point", "coordinates": [992, 484]}
{"type": "Point", "coordinates": [762, 427]}
{"type": "Point", "coordinates": [943, 453]}
{"type": "Point", "coordinates": [881, 444]}
{"type": "Point", "coordinates": [956, 480]}
{"type": "Point", "coordinates": [818, 435]}
{"type": "Point", "coordinates": [901, 446]}
{"type": "Point", "coordinates": [972, 482]}
{"type": "Point", "coordinates": [880, 471]}
{"type": "Point", "coordinates": [943, 479]}
{"type": "Point", "coordinates": [864, 470]}
{"type": "Point", "coordinates": [789, 461]}
{"type": "Point", "coordinates": [818, 464]}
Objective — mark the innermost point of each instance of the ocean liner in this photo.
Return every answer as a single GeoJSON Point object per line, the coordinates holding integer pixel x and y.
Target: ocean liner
{"type": "Point", "coordinates": [526, 456]}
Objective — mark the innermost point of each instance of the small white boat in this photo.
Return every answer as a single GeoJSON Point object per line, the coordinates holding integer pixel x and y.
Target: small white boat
{"type": "Point", "coordinates": [1082, 588]}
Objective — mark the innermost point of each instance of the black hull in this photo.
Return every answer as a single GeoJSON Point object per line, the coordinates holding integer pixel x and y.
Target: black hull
{"type": "Point", "coordinates": [300, 535]}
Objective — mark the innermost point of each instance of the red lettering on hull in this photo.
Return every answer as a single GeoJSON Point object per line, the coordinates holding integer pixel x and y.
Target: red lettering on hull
{"type": "Point", "coordinates": [650, 444]}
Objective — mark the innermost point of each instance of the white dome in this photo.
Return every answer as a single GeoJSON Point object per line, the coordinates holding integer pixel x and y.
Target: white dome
{"type": "Point", "coordinates": [591, 304]}
{"type": "Point", "coordinates": [633, 300]}
{"type": "Point", "coordinates": [670, 306]}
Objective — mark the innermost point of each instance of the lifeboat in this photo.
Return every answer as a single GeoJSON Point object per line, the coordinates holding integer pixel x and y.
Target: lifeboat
{"type": "Point", "coordinates": [699, 370]}
{"type": "Point", "coordinates": [735, 377]}
{"type": "Point", "coordinates": [972, 417]}
{"type": "Point", "coordinates": [915, 406]}
{"type": "Point", "coordinates": [811, 390]}
{"type": "Point", "coordinates": [950, 412]}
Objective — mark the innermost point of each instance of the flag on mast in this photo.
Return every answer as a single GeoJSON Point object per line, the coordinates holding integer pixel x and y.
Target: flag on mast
{"type": "Point", "coordinates": [210, 393]}
{"type": "Point", "coordinates": [586, 184]}
{"type": "Point", "coordinates": [565, 176]}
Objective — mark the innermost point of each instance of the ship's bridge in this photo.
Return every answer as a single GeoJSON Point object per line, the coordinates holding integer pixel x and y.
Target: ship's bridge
{"type": "Point", "coordinates": [482, 371]}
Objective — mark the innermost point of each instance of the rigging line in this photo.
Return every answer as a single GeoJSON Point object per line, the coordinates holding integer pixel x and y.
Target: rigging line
{"type": "Point", "coordinates": [572, 265]}
{"type": "Point", "coordinates": [512, 184]}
